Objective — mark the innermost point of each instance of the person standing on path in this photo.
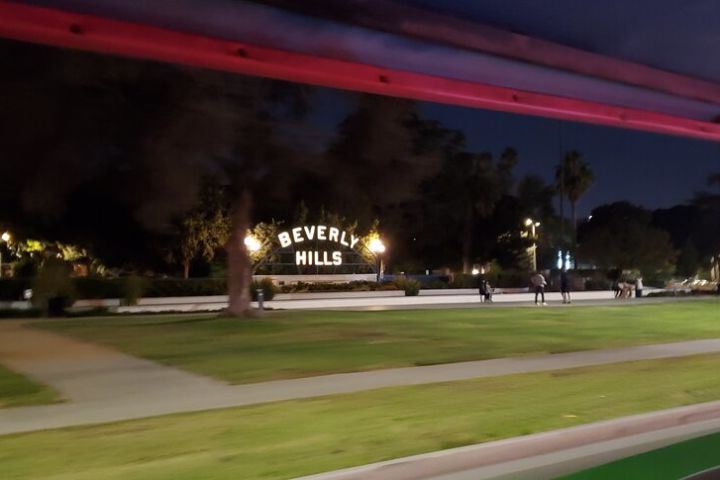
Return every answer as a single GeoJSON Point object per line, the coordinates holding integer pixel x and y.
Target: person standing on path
{"type": "Point", "coordinates": [565, 286]}
{"type": "Point", "coordinates": [482, 289]}
{"type": "Point", "coordinates": [638, 287]}
{"type": "Point", "coordinates": [538, 282]}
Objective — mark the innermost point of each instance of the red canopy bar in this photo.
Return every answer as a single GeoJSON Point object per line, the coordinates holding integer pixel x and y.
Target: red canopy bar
{"type": "Point", "coordinates": [86, 32]}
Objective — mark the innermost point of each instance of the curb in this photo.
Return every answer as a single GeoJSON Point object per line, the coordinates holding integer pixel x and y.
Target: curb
{"type": "Point", "coordinates": [491, 453]}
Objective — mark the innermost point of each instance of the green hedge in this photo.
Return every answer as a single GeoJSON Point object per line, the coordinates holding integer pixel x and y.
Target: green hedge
{"type": "Point", "coordinates": [356, 286]}
{"type": "Point", "coordinates": [95, 288]}
{"type": "Point", "coordinates": [11, 289]}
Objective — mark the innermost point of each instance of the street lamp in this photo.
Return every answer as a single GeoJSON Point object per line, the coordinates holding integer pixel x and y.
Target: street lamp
{"type": "Point", "coordinates": [532, 225]}
{"type": "Point", "coordinates": [5, 238]}
{"type": "Point", "coordinates": [252, 244]}
{"type": "Point", "coordinates": [377, 247]}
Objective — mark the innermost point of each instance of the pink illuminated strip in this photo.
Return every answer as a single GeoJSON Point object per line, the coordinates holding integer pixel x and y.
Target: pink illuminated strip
{"type": "Point", "coordinates": [85, 32]}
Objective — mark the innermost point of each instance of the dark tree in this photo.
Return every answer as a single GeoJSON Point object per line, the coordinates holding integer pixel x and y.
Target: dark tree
{"type": "Point", "coordinates": [620, 235]}
{"type": "Point", "coordinates": [142, 135]}
{"type": "Point", "coordinates": [573, 177]}
{"type": "Point", "coordinates": [466, 191]}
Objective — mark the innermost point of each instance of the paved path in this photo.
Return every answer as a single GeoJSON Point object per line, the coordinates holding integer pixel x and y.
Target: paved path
{"type": "Point", "coordinates": [101, 384]}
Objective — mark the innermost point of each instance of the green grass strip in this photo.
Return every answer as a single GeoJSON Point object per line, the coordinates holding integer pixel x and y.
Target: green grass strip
{"type": "Point", "coordinates": [669, 463]}
{"type": "Point", "coordinates": [287, 439]}
{"type": "Point", "coordinates": [17, 390]}
{"type": "Point", "coordinates": [299, 343]}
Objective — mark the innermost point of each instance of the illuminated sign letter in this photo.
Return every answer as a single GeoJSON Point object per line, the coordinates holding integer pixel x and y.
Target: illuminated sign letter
{"type": "Point", "coordinates": [353, 241]}
{"type": "Point", "coordinates": [310, 232]}
{"type": "Point", "coordinates": [337, 258]}
{"type": "Point", "coordinates": [343, 241]}
{"type": "Point", "coordinates": [284, 238]}
{"type": "Point", "coordinates": [300, 258]}
{"type": "Point", "coordinates": [334, 235]}
{"type": "Point", "coordinates": [321, 232]}
{"type": "Point", "coordinates": [297, 237]}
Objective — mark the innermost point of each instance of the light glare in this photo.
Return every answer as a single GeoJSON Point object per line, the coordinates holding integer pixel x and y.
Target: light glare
{"type": "Point", "coordinates": [252, 244]}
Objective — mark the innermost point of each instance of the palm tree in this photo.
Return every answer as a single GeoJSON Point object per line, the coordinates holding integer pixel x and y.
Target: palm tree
{"type": "Point", "coordinates": [573, 178]}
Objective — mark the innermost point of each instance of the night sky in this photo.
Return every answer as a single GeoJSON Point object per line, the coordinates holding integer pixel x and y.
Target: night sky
{"type": "Point", "coordinates": [649, 169]}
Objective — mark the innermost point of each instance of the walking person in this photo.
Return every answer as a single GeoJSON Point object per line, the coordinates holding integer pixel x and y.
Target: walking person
{"type": "Point", "coordinates": [638, 287]}
{"type": "Point", "coordinates": [488, 291]}
{"type": "Point", "coordinates": [565, 286]}
{"type": "Point", "coordinates": [539, 283]}
{"type": "Point", "coordinates": [482, 289]}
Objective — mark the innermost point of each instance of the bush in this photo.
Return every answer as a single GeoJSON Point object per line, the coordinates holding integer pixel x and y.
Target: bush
{"type": "Point", "coordinates": [53, 289]}
{"type": "Point", "coordinates": [465, 280]}
{"type": "Point", "coordinates": [267, 287]}
{"type": "Point", "coordinates": [98, 287]}
{"type": "Point", "coordinates": [410, 286]}
{"type": "Point", "coordinates": [11, 289]}
{"type": "Point", "coordinates": [169, 287]}
{"type": "Point", "coordinates": [356, 286]}
{"type": "Point", "coordinates": [598, 284]}
{"type": "Point", "coordinates": [133, 288]}
{"type": "Point", "coordinates": [21, 313]}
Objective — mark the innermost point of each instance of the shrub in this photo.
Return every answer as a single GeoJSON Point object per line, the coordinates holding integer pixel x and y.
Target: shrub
{"type": "Point", "coordinates": [171, 287]}
{"type": "Point", "coordinates": [53, 289]}
{"type": "Point", "coordinates": [464, 280]}
{"type": "Point", "coordinates": [21, 313]}
{"type": "Point", "coordinates": [598, 284]}
{"type": "Point", "coordinates": [267, 287]}
{"type": "Point", "coordinates": [12, 289]}
{"type": "Point", "coordinates": [98, 287]}
{"type": "Point", "coordinates": [355, 286]}
{"type": "Point", "coordinates": [133, 287]}
{"type": "Point", "coordinates": [410, 286]}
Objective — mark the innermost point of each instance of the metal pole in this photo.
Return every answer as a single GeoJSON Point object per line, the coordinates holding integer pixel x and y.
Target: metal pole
{"type": "Point", "coordinates": [534, 247]}
{"type": "Point", "coordinates": [562, 192]}
{"type": "Point", "coordinates": [379, 264]}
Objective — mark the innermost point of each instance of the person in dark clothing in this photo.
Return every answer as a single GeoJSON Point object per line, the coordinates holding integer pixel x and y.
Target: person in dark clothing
{"type": "Point", "coordinates": [565, 286]}
{"type": "Point", "coordinates": [482, 289]}
{"type": "Point", "coordinates": [485, 291]}
{"type": "Point", "coordinates": [488, 291]}
{"type": "Point", "coordinates": [616, 287]}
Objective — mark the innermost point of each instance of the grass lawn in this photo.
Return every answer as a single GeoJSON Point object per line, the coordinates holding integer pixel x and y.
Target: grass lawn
{"type": "Point", "coordinates": [300, 343]}
{"type": "Point", "coordinates": [292, 438]}
{"type": "Point", "coordinates": [669, 463]}
{"type": "Point", "coordinates": [17, 390]}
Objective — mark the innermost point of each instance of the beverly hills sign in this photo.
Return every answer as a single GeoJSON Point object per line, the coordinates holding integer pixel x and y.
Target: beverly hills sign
{"type": "Point", "coordinates": [301, 238]}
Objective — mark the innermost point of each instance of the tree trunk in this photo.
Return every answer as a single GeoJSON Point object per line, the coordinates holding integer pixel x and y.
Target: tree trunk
{"type": "Point", "coordinates": [467, 240]}
{"type": "Point", "coordinates": [186, 269]}
{"type": "Point", "coordinates": [562, 208]}
{"type": "Point", "coordinates": [239, 265]}
{"type": "Point", "coordinates": [573, 207]}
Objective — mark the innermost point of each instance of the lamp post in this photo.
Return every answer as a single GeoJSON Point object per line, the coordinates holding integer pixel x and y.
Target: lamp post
{"type": "Point", "coordinates": [252, 244]}
{"type": "Point", "coordinates": [377, 247]}
{"type": "Point", "coordinates": [532, 225]}
{"type": "Point", "coordinates": [5, 238]}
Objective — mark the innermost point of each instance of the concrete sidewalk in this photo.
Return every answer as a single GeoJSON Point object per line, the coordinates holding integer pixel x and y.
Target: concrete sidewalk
{"type": "Point", "coordinates": [101, 384]}
{"type": "Point", "coordinates": [366, 300]}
